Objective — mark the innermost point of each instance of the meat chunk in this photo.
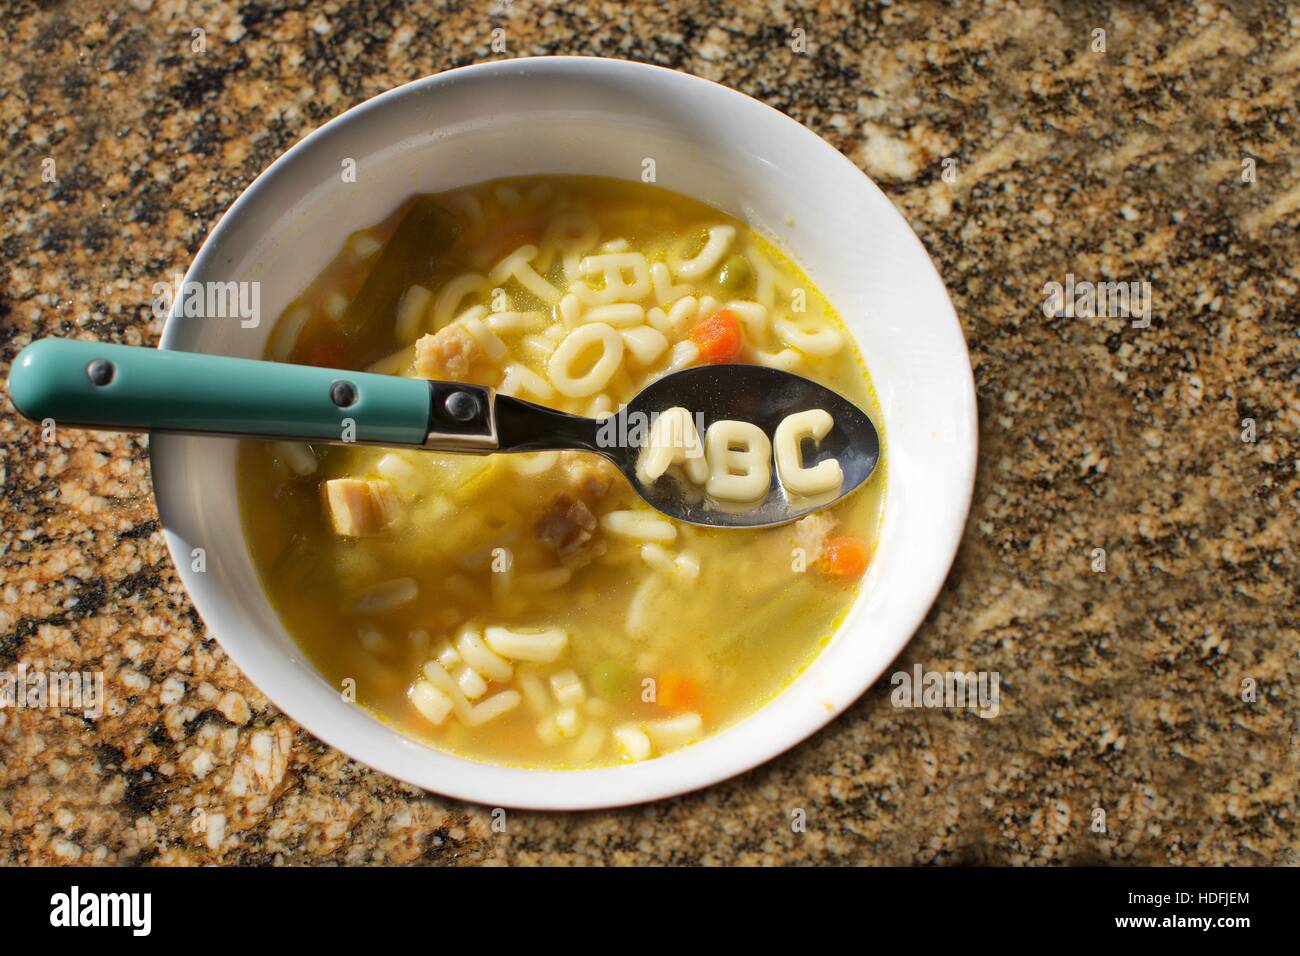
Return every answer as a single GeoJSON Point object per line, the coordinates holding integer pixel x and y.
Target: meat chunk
{"type": "Point", "coordinates": [358, 506]}
{"type": "Point", "coordinates": [568, 525]}
{"type": "Point", "coordinates": [449, 353]}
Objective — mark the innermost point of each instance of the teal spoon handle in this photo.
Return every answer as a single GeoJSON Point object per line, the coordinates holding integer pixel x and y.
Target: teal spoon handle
{"type": "Point", "coordinates": [128, 388]}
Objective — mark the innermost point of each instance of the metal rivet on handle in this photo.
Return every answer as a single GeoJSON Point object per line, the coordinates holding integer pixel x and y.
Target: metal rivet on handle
{"type": "Point", "coordinates": [461, 406]}
{"type": "Point", "coordinates": [100, 372]}
{"type": "Point", "coordinates": [343, 394]}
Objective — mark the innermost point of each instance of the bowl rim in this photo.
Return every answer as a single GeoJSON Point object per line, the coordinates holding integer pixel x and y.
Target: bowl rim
{"type": "Point", "coordinates": [514, 786]}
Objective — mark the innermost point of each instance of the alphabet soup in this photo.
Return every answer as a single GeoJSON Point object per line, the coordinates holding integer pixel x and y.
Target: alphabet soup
{"type": "Point", "coordinates": [530, 609]}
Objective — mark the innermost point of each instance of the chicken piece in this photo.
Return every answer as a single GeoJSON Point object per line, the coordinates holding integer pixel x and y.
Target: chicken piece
{"type": "Point", "coordinates": [587, 477]}
{"type": "Point", "coordinates": [810, 533]}
{"type": "Point", "coordinates": [358, 506]}
{"type": "Point", "coordinates": [448, 354]}
{"type": "Point", "coordinates": [568, 525]}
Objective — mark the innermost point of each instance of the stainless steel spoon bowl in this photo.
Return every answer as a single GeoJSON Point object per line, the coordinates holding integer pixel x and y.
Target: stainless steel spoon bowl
{"type": "Point", "coordinates": [711, 393]}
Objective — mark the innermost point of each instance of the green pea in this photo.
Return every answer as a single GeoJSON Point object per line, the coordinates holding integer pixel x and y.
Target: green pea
{"type": "Point", "coordinates": [611, 679]}
{"type": "Point", "coordinates": [737, 275]}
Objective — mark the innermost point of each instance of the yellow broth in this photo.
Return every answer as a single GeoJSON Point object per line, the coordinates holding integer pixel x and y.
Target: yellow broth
{"type": "Point", "coordinates": [646, 644]}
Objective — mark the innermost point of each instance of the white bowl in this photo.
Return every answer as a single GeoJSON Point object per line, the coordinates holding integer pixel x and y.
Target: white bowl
{"type": "Point", "coordinates": [600, 117]}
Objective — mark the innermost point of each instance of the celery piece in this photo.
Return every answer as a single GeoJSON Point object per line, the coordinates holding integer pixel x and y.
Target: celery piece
{"type": "Point", "coordinates": [426, 230]}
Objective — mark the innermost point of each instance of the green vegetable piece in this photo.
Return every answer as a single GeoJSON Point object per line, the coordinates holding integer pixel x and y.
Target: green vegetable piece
{"type": "Point", "coordinates": [611, 679]}
{"type": "Point", "coordinates": [426, 230]}
{"type": "Point", "coordinates": [737, 275]}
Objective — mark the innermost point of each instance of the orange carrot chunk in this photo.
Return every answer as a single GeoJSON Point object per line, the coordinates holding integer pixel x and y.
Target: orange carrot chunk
{"type": "Point", "coordinates": [718, 337]}
{"type": "Point", "coordinates": [845, 557]}
{"type": "Point", "coordinates": [677, 692]}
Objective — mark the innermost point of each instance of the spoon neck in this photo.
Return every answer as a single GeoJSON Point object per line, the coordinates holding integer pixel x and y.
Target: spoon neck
{"type": "Point", "coordinates": [523, 426]}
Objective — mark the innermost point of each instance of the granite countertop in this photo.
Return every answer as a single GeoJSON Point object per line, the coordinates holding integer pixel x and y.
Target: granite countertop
{"type": "Point", "coordinates": [1161, 690]}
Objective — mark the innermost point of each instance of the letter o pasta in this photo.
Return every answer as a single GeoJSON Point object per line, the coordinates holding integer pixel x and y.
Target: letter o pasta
{"type": "Point", "coordinates": [740, 474]}
{"type": "Point", "coordinates": [825, 475]}
{"type": "Point", "coordinates": [565, 357]}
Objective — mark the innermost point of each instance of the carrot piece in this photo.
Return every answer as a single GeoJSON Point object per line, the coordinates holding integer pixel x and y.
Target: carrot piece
{"type": "Point", "coordinates": [718, 337]}
{"type": "Point", "coordinates": [677, 692]}
{"type": "Point", "coordinates": [845, 557]}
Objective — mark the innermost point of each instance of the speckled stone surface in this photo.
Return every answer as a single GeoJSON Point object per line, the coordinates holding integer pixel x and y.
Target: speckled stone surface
{"type": "Point", "coordinates": [1122, 689]}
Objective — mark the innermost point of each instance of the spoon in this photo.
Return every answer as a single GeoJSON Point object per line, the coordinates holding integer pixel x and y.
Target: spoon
{"type": "Point", "coordinates": [129, 388]}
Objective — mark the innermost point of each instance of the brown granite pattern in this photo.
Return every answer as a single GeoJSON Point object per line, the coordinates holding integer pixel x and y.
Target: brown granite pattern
{"type": "Point", "coordinates": [1122, 690]}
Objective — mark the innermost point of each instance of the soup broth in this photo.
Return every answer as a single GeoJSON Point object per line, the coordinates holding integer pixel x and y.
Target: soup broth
{"type": "Point", "coordinates": [529, 609]}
